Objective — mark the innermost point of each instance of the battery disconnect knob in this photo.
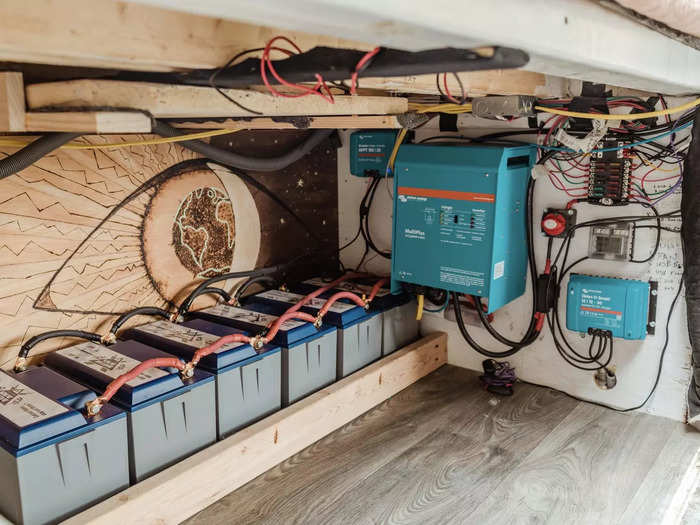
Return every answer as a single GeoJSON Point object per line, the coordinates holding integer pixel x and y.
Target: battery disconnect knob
{"type": "Point", "coordinates": [553, 224]}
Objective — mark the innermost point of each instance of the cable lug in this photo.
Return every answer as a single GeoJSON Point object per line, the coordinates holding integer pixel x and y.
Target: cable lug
{"type": "Point", "coordinates": [188, 371]}
{"type": "Point", "coordinates": [93, 407]}
{"type": "Point", "coordinates": [20, 364]}
{"type": "Point", "coordinates": [108, 339]}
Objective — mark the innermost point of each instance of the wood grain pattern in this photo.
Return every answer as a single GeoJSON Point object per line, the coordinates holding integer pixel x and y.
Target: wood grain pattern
{"type": "Point", "coordinates": [11, 101]}
{"type": "Point", "coordinates": [178, 101]}
{"type": "Point", "coordinates": [446, 451]}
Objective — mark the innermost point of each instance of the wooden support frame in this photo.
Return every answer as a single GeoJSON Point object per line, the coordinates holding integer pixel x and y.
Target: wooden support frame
{"type": "Point", "coordinates": [176, 101]}
{"type": "Point", "coordinates": [11, 101]}
{"type": "Point", "coordinates": [329, 122]}
{"type": "Point", "coordinates": [89, 122]}
{"type": "Point", "coordinates": [191, 485]}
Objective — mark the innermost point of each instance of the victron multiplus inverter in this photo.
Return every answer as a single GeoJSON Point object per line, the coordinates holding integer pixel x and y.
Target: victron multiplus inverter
{"type": "Point", "coordinates": [459, 219]}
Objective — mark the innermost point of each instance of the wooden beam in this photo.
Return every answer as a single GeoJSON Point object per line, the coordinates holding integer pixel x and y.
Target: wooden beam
{"type": "Point", "coordinates": [200, 480]}
{"type": "Point", "coordinates": [175, 101]}
{"type": "Point", "coordinates": [477, 83]}
{"type": "Point", "coordinates": [89, 121]}
{"type": "Point", "coordinates": [11, 101]}
{"type": "Point", "coordinates": [331, 122]}
{"type": "Point", "coordinates": [122, 35]}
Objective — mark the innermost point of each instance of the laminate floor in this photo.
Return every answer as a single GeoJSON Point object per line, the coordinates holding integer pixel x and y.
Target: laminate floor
{"type": "Point", "coordinates": [446, 451]}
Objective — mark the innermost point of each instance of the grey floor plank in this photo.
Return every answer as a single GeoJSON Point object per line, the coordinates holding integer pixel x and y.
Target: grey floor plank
{"type": "Point", "coordinates": [449, 472]}
{"type": "Point", "coordinates": [586, 471]}
{"type": "Point", "coordinates": [655, 496]}
{"type": "Point", "coordinates": [316, 477]}
{"type": "Point", "coordinates": [446, 451]}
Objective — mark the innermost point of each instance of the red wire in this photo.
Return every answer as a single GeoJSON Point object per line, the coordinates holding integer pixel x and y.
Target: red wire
{"type": "Point", "coordinates": [360, 66]}
{"type": "Point", "coordinates": [266, 63]}
{"type": "Point", "coordinates": [120, 381]}
{"type": "Point", "coordinates": [287, 316]}
{"type": "Point", "coordinates": [447, 90]}
{"type": "Point", "coordinates": [336, 297]}
{"type": "Point", "coordinates": [213, 347]}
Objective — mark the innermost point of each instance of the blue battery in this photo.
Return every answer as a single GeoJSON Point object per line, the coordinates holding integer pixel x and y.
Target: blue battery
{"type": "Point", "coordinates": [359, 331]}
{"type": "Point", "coordinates": [626, 307]}
{"type": "Point", "coordinates": [398, 311]}
{"type": "Point", "coordinates": [169, 417]}
{"type": "Point", "coordinates": [54, 460]}
{"type": "Point", "coordinates": [248, 381]}
{"type": "Point", "coordinates": [308, 353]}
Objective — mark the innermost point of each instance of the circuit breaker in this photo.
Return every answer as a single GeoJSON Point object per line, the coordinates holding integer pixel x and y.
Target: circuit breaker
{"type": "Point", "coordinates": [460, 219]}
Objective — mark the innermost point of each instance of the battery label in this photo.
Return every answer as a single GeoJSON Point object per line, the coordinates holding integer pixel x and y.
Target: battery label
{"type": "Point", "coordinates": [349, 287]}
{"type": "Point", "coordinates": [109, 362]}
{"type": "Point", "coordinates": [293, 298]}
{"type": "Point", "coordinates": [595, 305]}
{"type": "Point", "coordinates": [24, 406]}
{"type": "Point", "coordinates": [248, 316]}
{"type": "Point", "coordinates": [185, 335]}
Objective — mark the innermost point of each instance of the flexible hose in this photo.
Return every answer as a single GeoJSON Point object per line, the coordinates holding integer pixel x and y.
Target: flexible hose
{"type": "Point", "coordinates": [31, 343]}
{"type": "Point", "coordinates": [144, 310]}
{"type": "Point", "coordinates": [250, 282]}
{"type": "Point", "coordinates": [31, 153]}
{"type": "Point", "coordinates": [217, 291]}
{"type": "Point", "coordinates": [239, 161]}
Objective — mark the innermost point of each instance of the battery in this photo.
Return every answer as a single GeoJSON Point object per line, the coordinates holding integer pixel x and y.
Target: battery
{"type": "Point", "coordinates": [359, 331]}
{"type": "Point", "coordinates": [168, 417]}
{"type": "Point", "coordinates": [397, 311]}
{"type": "Point", "coordinates": [248, 381]}
{"type": "Point", "coordinates": [308, 353]}
{"type": "Point", "coordinates": [54, 460]}
{"type": "Point", "coordinates": [626, 307]}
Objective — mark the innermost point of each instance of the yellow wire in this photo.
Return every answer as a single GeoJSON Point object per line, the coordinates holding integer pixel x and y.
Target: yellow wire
{"type": "Point", "coordinates": [440, 108]}
{"type": "Point", "coordinates": [627, 116]}
{"type": "Point", "coordinates": [657, 168]}
{"type": "Point", "coordinates": [395, 150]}
{"type": "Point", "coordinates": [419, 311]}
{"type": "Point", "coordinates": [13, 142]}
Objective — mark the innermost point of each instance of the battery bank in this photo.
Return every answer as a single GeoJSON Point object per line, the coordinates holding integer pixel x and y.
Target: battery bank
{"type": "Point", "coordinates": [55, 461]}
{"type": "Point", "coordinates": [248, 381]}
{"type": "Point", "coordinates": [308, 353]}
{"type": "Point", "coordinates": [397, 311]}
{"type": "Point", "coordinates": [168, 417]}
{"type": "Point", "coordinates": [359, 331]}
{"type": "Point", "coordinates": [625, 307]}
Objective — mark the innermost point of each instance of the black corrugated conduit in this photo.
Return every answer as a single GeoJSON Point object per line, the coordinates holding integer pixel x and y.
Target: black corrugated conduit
{"type": "Point", "coordinates": [29, 154]}
{"type": "Point", "coordinates": [690, 235]}
{"type": "Point", "coordinates": [229, 158]}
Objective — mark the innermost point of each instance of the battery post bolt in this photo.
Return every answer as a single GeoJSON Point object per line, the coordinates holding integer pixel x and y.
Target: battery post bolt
{"type": "Point", "coordinates": [188, 371]}
{"type": "Point", "coordinates": [108, 339]}
{"type": "Point", "coordinates": [20, 364]}
{"type": "Point", "coordinates": [257, 342]}
{"type": "Point", "coordinates": [93, 407]}
{"type": "Point", "coordinates": [318, 321]}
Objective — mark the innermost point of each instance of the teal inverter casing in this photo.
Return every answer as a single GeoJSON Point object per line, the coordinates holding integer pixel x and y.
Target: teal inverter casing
{"type": "Point", "coordinates": [460, 219]}
{"type": "Point", "coordinates": [626, 307]}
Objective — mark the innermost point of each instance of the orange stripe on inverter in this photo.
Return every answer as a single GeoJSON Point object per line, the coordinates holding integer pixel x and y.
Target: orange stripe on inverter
{"type": "Point", "coordinates": [447, 194]}
{"type": "Point", "coordinates": [599, 310]}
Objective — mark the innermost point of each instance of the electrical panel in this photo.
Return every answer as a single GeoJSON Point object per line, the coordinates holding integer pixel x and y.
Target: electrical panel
{"type": "Point", "coordinates": [369, 152]}
{"type": "Point", "coordinates": [625, 307]}
{"type": "Point", "coordinates": [609, 174]}
{"type": "Point", "coordinates": [459, 219]}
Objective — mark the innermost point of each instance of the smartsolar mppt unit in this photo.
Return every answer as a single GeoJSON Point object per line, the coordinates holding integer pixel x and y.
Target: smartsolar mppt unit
{"type": "Point", "coordinates": [398, 311]}
{"type": "Point", "coordinates": [359, 331]}
{"type": "Point", "coordinates": [248, 381]}
{"type": "Point", "coordinates": [459, 219]}
{"type": "Point", "coordinates": [308, 353]}
{"type": "Point", "coordinates": [626, 307]}
{"type": "Point", "coordinates": [54, 460]}
{"type": "Point", "coordinates": [169, 417]}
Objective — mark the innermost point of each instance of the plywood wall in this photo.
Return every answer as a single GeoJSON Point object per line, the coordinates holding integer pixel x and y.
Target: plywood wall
{"type": "Point", "coordinates": [88, 234]}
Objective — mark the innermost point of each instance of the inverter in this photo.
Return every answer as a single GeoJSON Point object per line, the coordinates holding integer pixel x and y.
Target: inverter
{"type": "Point", "coordinates": [626, 307]}
{"type": "Point", "coordinates": [359, 331]}
{"type": "Point", "coordinates": [248, 381]}
{"type": "Point", "coordinates": [459, 219]}
{"type": "Point", "coordinates": [169, 417]}
{"type": "Point", "coordinates": [55, 460]}
{"type": "Point", "coordinates": [397, 311]}
{"type": "Point", "coordinates": [308, 353]}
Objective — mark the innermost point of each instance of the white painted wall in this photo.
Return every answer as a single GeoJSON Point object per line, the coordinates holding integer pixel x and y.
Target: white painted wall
{"type": "Point", "coordinates": [636, 361]}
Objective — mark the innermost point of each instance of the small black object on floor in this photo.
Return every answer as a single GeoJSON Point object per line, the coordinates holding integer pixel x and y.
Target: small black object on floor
{"type": "Point", "coordinates": [498, 377]}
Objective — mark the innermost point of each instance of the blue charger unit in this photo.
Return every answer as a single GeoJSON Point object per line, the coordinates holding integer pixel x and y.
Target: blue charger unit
{"type": "Point", "coordinates": [624, 306]}
{"type": "Point", "coordinates": [459, 219]}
